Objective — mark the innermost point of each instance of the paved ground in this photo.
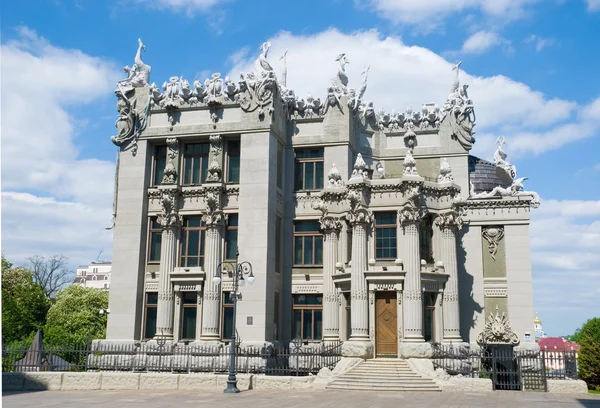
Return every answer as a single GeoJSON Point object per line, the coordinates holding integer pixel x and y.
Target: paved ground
{"type": "Point", "coordinates": [292, 399]}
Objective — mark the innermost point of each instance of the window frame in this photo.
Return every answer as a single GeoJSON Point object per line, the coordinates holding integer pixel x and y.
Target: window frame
{"type": "Point", "coordinates": [426, 239]}
{"type": "Point", "coordinates": [307, 234]}
{"type": "Point", "coordinates": [204, 157]}
{"type": "Point", "coordinates": [155, 157]}
{"type": "Point", "coordinates": [312, 308]}
{"type": "Point", "coordinates": [146, 307]}
{"type": "Point", "coordinates": [184, 306]}
{"type": "Point", "coordinates": [201, 244]}
{"type": "Point", "coordinates": [238, 154]}
{"type": "Point", "coordinates": [303, 161]}
{"type": "Point", "coordinates": [379, 227]}
{"type": "Point", "coordinates": [151, 231]}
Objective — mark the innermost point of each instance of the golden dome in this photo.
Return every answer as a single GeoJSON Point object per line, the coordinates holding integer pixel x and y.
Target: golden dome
{"type": "Point", "coordinates": [537, 319]}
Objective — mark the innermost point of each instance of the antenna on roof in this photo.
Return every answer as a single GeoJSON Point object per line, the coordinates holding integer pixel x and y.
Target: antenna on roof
{"type": "Point", "coordinates": [99, 256]}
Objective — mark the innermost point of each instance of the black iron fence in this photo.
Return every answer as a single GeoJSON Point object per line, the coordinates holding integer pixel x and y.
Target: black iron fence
{"type": "Point", "coordinates": [293, 359]}
{"type": "Point", "coordinates": [508, 369]}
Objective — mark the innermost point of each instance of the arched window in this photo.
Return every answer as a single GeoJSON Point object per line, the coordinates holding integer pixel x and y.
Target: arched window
{"type": "Point", "coordinates": [94, 277]}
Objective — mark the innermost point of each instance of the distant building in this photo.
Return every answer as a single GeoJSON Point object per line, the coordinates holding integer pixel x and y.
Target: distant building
{"type": "Point", "coordinates": [537, 327]}
{"type": "Point", "coordinates": [558, 352]}
{"type": "Point", "coordinates": [95, 275]}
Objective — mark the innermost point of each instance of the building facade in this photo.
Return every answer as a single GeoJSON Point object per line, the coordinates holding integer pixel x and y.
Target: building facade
{"type": "Point", "coordinates": [95, 275]}
{"type": "Point", "coordinates": [376, 229]}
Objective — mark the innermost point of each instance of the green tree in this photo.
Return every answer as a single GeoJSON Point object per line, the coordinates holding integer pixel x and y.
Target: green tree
{"type": "Point", "coordinates": [75, 317]}
{"type": "Point", "coordinates": [588, 338]}
{"type": "Point", "coordinates": [24, 304]}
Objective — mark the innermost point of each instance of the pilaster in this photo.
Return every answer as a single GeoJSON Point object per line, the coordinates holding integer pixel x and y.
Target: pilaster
{"type": "Point", "coordinates": [449, 223]}
{"type": "Point", "coordinates": [331, 230]}
{"type": "Point", "coordinates": [213, 219]}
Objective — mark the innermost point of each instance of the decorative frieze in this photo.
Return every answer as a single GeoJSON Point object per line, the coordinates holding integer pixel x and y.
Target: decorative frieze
{"type": "Point", "coordinates": [495, 292]}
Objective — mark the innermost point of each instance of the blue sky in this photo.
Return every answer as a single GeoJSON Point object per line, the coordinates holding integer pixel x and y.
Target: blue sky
{"type": "Point", "coordinates": [532, 66]}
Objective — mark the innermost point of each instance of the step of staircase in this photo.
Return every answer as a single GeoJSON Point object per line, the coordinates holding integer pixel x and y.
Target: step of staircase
{"type": "Point", "coordinates": [383, 375]}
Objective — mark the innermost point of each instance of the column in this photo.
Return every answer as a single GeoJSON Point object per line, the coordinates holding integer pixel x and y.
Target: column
{"type": "Point", "coordinates": [211, 309]}
{"type": "Point", "coordinates": [450, 306]}
{"type": "Point", "coordinates": [331, 323]}
{"type": "Point", "coordinates": [358, 288]}
{"type": "Point", "coordinates": [168, 261]}
{"type": "Point", "coordinates": [413, 306]}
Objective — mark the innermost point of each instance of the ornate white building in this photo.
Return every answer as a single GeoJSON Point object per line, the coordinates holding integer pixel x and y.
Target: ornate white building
{"type": "Point", "coordinates": [95, 275]}
{"type": "Point", "coordinates": [374, 228]}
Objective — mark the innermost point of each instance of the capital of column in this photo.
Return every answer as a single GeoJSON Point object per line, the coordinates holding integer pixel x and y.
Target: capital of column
{"type": "Point", "coordinates": [169, 200]}
{"type": "Point", "coordinates": [214, 216]}
{"type": "Point", "coordinates": [410, 214]}
{"type": "Point", "coordinates": [449, 219]}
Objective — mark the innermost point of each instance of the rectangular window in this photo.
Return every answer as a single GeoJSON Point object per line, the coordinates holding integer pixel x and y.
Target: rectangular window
{"type": "Point", "coordinates": [385, 235]}
{"type": "Point", "coordinates": [155, 240]}
{"type": "Point", "coordinates": [150, 319]}
{"type": "Point", "coordinates": [349, 246]}
{"type": "Point", "coordinates": [308, 243]}
{"type": "Point", "coordinates": [160, 161]}
{"type": "Point", "coordinates": [195, 163]}
{"type": "Point", "coordinates": [307, 320]}
{"type": "Point", "coordinates": [188, 315]}
{"type": "Point", "coordinates": [193, 235]}
{"type": "Point", "coordinates": [233, 161]}
{"type": "Point", "coordinates": [231, 237]}
{"type": "Point", "coordinates": [227, 325]}
{"type": "Point", "coordinates": [278, 244]}
{"type": "Point", "coordinates": [308, 169]}
{"type": "Point", "coordinates": [426, 239]}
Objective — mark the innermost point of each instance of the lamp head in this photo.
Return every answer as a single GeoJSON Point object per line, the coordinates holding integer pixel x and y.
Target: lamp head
{"type": "Point", "coordinates": [251, 279]}
{"type": "Point", "coordinates": [217, 280]}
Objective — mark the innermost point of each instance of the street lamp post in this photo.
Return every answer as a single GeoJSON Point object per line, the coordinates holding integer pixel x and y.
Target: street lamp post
{"type": "Point", "coordinates": [239, 269]}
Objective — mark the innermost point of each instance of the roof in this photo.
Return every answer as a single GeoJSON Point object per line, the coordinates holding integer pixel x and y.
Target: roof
{"type": "Point", "coordinates": [483, 175]}
{"type": "Point", "coordinates": [557, 344]}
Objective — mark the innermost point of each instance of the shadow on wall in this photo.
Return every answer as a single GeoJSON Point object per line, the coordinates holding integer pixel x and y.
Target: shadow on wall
{"type": "Point", "coordinates": [16, 383]}
{"type": "Point", "coordinates": [468, 306]}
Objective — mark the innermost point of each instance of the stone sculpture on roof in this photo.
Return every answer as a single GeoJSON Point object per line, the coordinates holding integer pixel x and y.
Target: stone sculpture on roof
{"type": "Point", "coordinates": [458, 113]}
{"type": "Point", "coordinates": [256, 88]}
{"type": "Point", "coordinates": [340, 81]}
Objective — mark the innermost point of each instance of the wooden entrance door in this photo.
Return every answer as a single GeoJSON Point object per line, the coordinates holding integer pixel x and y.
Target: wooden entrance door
{"type": "Point", "coordinates": [386, 324]}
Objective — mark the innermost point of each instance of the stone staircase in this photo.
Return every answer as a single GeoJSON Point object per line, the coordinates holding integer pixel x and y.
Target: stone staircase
{"type": "Point", "coordinates": [383, 375]}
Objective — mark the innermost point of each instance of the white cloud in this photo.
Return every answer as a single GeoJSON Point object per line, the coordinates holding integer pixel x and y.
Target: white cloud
{"type": "Point", "coordinates": [539, 42]}
{"type": "Point", "coordinates": [53, 201]}
{"type": "Point", "coordinates": [433, 12]}
{"type": "Point", "coordinates": [482, 41]}
{"type": "Point", "coordinates": [565, 237]}
{"type": "Point", "coordinates": [403, 75]}
{"type": "Point", "coordinates": [593, 5]}
{"type": "Point", "coordinates": [189, 7]}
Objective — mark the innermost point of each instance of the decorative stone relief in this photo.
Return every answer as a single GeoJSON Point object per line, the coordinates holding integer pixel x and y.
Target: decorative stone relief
{"type": "Point", "coordinates": [340, 80]}
{"type": "Point", "coordinates": [497, 331]}
{"type": "Point", "coordinates": [215, 215]}
{"type": "Point", "coordinates": [169, 200]}
{"type": "Point", "coordinates": [493, 235]}
{"type": "Point", "coordinates": [445, 172]}
{"type": "Point", "coordinates": [356, 104]}
{"type": "Point", "coordinates": [449, 219]}
{"type": "Point", "coordinates": [359, 172]}
{"type": "Point", "coordinates": [410, 165]}
{"type": "Point", "coordinates": [458, 113]}
{"type": "Point", "coordinates": [214, 168]}
{"type": "Point", "coordinates": [331, 100]}
{"type": "Point", "coordinates": [170, 173]}
{"type": "Point", "coordinates": [334, 177]}
{"type": "Point", "coordinates": [256, 88]}
{"type": "Point", "coordinates": [412, 294]}
{"type": "Point", "coordinates": [328, 222]}
{"type": "Point", "coordinates": [500, 159]}
{"type": "Point", "coordinates": [133, 103]}
{"type": "Point", "coordinates": [428, 118]}
{"type": "Point", "coordinates": [358, 212]}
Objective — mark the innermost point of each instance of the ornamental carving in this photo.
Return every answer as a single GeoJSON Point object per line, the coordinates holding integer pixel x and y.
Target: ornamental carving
{"type": "Point", "coordinates": [413, 295]}
{"type": "Point", "coordinates": [428, 118]}
{"type": "Point", "coordinates": [133, 103]}
{"type": "Point", "coordinates": [497, 331]}
{"type": "Point", "coordinates": [170, 173]}
{"type": "Point", "coordinates": [168, 201]}
{"type": "Point", "coordinates": [334, 177]}
{"type": "Point", "coordinates": [493, 235]}
{"type": "Point", "coordinates": [458, 114]}
{"type": "Point", "coordinates": [165, 296]}
{"type": "Point", "coordinates": [216, 144]}
{"type": "Point", "coordinates": [358, 295]}
{"type": "Point", "coordinates": [445, 172]}
{"type": "Point", "coordinates": [256, 88]}
{"type": "Point", "coordinates": [410, 214]}
{"type": "Point", "coordinates": [214, 171]}
{"type": "Point", "coordinates": [359, 172]}
{"type": "Point", "coordinates": [410, 165]}
{"type": "Point", "coordinates": [328, 223]}
{"type": "Point", "coordinates": [449, 219]}
{"type": "Point", "coordinates": [450, 297]}
{"type": "Point", "coordinates": [211, 295]}
{"type": "Point", "coordinates": [215, 215]}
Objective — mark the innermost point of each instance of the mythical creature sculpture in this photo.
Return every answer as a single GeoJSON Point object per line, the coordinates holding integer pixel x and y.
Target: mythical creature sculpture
{"type": "Point", "coordinates": [515, 189]}
{"type": "Point", "coordinates": [172, 88]}
{"type": "Point", "coordinates": [459, 115]}
{"type": "Point", "coordinates": [340, 81]}
{"type": "Point", "coordinates": [230, 87]}
{"type": "Point", "coordinates": [497, 330]}
{"type": "Point", "coordinates": [214, 88]}
{"type": "Point", "coordinates": [185, 91]}
{"type": "Point", "coordinates": [355, 104]}
{"type": "Point", "coordinates": [500, 159]}
{"type": "Point", "coordinates": [138, 75]}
